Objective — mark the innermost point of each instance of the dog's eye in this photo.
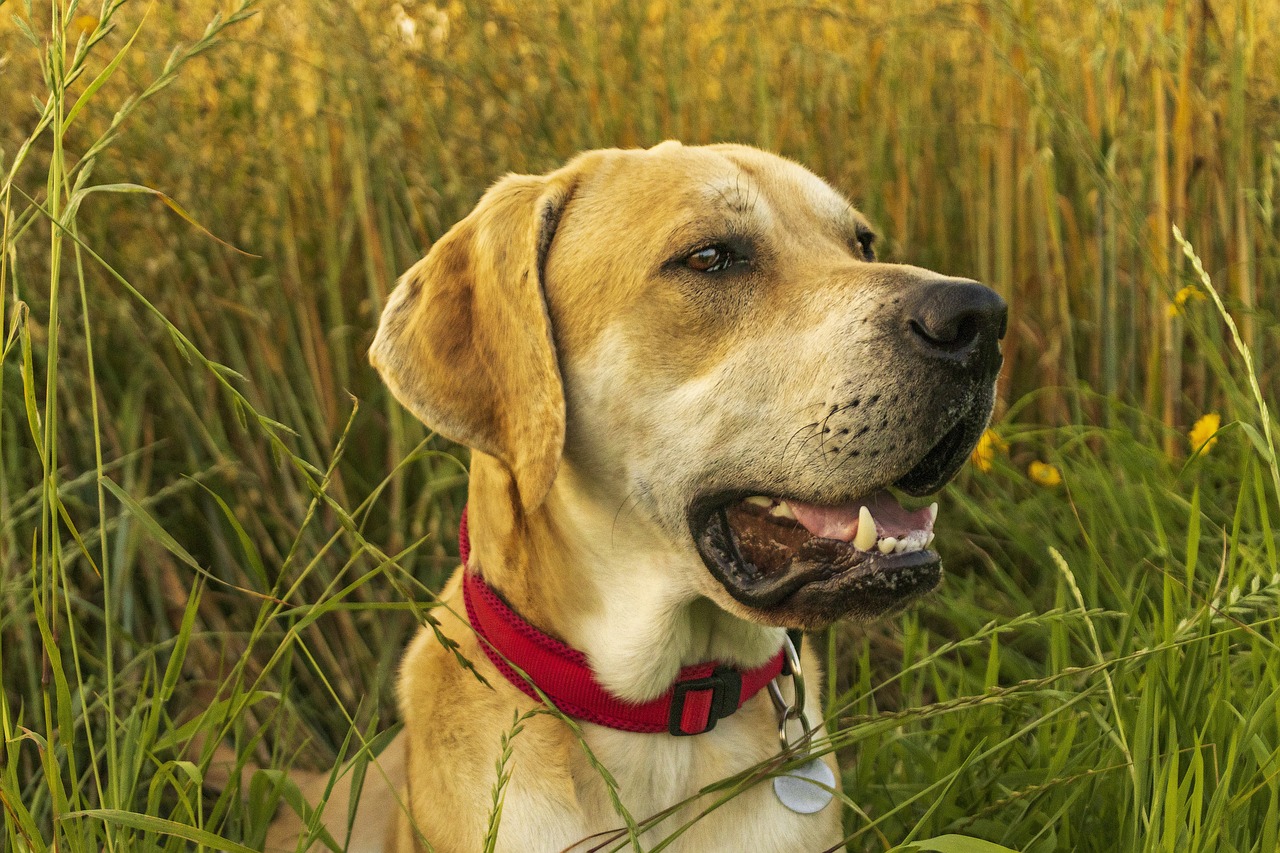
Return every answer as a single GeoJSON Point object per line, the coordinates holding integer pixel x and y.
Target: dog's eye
{"type": "Point", "coordinates": [867, 242]}
{"type": "Point", "coordinates": [711, 259]}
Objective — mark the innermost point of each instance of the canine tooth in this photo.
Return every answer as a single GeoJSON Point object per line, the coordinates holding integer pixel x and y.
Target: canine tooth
{"type": "Point", "coordinates": [933, 512]}
{"type": "Point", "coordinates": [759, 500]}
{"type": "Point", "coordinates": [887, 544]}
{"type": "Point", "coordinates": [928, 541]}
{"type": "Point", "coordinates": [782, 510]}
{"type": "Point", "coordinates": [866, 536]}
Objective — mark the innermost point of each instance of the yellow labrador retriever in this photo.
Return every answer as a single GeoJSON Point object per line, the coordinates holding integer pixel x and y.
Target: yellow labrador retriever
{"type": "Point", "coordinates": [688, 387]}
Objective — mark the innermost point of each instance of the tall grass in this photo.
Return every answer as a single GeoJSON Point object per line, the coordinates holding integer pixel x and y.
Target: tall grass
{"type": "Point", "coordinates": [202, 532]}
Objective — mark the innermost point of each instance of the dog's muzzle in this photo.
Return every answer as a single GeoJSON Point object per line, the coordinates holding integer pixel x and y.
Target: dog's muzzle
{"type": "Point", "coordinates": [807, 560]}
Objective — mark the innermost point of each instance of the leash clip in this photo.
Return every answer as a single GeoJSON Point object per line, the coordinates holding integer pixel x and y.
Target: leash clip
{"type": "Point", "coordinates": [795, 709]}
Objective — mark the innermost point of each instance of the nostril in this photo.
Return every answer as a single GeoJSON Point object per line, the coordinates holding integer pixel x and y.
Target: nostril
{"type": "Point", "coordinates": [967, 330]}
{"type": "Point", "coordinates": [956, 334]}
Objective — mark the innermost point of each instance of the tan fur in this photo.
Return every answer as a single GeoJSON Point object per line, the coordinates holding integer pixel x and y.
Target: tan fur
{"type": "Point", "coordinates": [600, 388]}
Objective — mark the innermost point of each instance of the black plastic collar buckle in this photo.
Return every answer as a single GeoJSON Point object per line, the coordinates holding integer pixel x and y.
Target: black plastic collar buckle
{"type": "Point", "coordinates": [725, 685]}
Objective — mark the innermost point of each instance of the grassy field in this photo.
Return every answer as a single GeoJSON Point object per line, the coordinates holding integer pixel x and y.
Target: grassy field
{"type": "Point", "coordinates": [215, 521]}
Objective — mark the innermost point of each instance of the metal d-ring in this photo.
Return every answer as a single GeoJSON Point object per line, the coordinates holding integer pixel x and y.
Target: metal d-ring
{"type": "Point", "coordinates": [795, 710]}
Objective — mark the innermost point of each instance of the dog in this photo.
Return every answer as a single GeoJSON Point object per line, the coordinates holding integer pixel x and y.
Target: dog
{"type": "Point", "coordinates": [688, 386]}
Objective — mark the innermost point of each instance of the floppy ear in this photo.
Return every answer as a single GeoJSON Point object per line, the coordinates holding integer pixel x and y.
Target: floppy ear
{"type": "Point", "coordinates": [465, 340]}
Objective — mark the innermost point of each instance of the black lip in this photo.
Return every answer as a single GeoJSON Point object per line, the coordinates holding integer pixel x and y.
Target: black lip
{"type": "Point", "coordinates": [943, 460]}
{"type": "Point", "coordinates": [852, 581]}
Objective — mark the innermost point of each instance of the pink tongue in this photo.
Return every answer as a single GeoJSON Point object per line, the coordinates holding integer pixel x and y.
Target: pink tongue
{"type": "Point", "coordinates": [841, 522]}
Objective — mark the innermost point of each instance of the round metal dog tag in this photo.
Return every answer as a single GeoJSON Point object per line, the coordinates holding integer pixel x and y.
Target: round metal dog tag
{"type": "Point", "coordinates": [806, 789]}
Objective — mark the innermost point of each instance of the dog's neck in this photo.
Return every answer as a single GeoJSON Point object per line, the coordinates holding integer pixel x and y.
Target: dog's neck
{"type": "Point", "coordinates": [605, 583]}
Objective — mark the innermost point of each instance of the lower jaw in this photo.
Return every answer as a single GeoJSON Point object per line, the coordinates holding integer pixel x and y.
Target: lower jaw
{"type": "Point", "coordinates": [868, 595]}
{"type": "Point", "coordinates": [822, 583]}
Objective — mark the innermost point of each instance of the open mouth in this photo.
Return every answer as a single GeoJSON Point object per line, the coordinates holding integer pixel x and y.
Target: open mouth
{"type": "Point", "coordinates": [765, 550]}
{"type": "Point", "coordinates": [866, 557]}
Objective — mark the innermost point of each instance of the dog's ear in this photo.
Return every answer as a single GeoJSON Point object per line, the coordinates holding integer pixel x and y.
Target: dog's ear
{"type": "Point", "coordinates": [465, 340]}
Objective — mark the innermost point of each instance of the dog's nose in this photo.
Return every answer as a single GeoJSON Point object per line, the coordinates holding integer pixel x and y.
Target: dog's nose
{"type": "Point", "coordinates": [954, 316]}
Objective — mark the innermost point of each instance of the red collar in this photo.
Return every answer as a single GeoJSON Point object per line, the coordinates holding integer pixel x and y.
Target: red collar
{"type": "Point", "coordinates": [702, 694]}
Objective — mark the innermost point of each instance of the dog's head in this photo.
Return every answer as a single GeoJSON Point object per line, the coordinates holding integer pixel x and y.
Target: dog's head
{"type": "Point", "coordinates": [703, 339]}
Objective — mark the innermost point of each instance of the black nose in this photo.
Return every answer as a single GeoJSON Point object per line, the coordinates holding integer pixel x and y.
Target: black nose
{"type": "Point", "coordinates": [953, 317]}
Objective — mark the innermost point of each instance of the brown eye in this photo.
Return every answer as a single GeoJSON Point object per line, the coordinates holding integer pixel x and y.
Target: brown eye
{"type": "Point", "coordinates": [867, 242]}
{"type": "Point", "coordinates": [710, 259]}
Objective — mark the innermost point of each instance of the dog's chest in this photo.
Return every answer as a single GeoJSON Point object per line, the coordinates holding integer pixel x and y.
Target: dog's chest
{"type": "Point", "coordinates": [656, 773]}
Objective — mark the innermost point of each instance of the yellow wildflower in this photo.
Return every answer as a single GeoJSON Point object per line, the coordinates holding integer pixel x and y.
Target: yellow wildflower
{"type": "Point", "coordinates": [1044, 473]}
{"type": "Point", "coordinates": [1181, 298]}
{"type": "Point", "coordinates": [1201, 435]}
{"type": "Point", "coordinates": [988, 446]}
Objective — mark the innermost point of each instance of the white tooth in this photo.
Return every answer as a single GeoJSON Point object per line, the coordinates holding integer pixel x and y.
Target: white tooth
{"type": "Point", "coordinates": [759, 500]}
{"type": "Point", "coordinates": [928, 541]}
{"type": "Point", "coordinates": [908, 546]}
{"type": "Point", "coordinates": [904, 544]}
{"type": "Point", "coordinates": [887, 544]}
{"type": "Point", "coordinates": [866, 536]}
{"type": "Point", "coordinates": [782, 510]}
{"type": "Point", "coordinates": [933, 512]}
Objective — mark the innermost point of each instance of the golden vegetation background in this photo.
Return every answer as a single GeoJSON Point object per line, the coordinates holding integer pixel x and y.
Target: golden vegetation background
{"type": "Point", "coordinates": [1042, 147]}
